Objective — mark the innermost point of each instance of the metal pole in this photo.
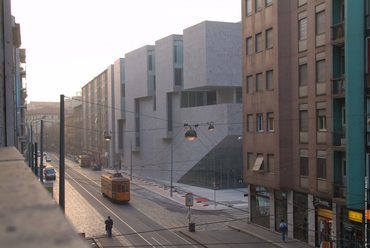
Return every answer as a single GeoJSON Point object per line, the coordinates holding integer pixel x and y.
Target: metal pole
{"type": "Point", "coordinates": [42, 151]}
{"type": "Point", "coordinates": [171, 183]}
{"type": "Point", "coordinates": [35, 163]}
{"type": "Point", "coordinates": [131, 160]}
{"type": "Point", "coordinates": [61, 155]}
{"type": "Point", "coordinates": [366, 238]}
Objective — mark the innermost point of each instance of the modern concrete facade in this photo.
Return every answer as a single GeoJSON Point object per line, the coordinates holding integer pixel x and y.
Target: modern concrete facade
{"type": "Point", "coordinates": [180, 81]}
{"type": "Point", "coordinates": [303, 106]}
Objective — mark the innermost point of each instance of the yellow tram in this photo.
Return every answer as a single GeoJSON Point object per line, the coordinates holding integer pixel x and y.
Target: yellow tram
{"type": "Point", "coordinates": [115, 187]}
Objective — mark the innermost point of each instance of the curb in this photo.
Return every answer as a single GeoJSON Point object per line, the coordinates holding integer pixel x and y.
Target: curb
{"type": "Point", "coordinates": [255, 235]}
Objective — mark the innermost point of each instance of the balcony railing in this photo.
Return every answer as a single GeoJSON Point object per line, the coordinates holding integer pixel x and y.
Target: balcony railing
{"type": "Point", "coordinates": [340, 191]}
{"type": "Point", "coordinates": [339, 138]}
{"type": "Point", "coordinates": [337, 33]}
{"type": "Point", "coordinates": [338, 86]}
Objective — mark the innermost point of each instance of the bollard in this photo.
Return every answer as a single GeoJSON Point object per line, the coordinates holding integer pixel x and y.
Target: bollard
{"type": "Point", "coordinates": [191, 227]}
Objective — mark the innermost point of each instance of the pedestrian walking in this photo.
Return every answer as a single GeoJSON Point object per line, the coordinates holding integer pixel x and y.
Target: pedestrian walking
{"type": "Point", "coordinates": [109, 226]}
{"type": "Point", "coordinates": [283, 227]}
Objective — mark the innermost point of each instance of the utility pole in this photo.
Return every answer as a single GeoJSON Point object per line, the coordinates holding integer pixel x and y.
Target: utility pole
{"type": "Point", "coordinates": [61, 155]}
{"type": "Point", "coordinates": [171, 182]}
{"type": "Point", "coordinates": [131, 159]}
{"type": "Point", "coordinates": [35, 163]}
{"type": "Point", "coordinates": [42, 151]}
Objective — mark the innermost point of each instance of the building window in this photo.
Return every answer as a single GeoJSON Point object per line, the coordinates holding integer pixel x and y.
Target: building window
{"type": "Point", "coordinates": [258, 5]}
{"type": "Point", "coordinates": [320, 71]}
{"type": "Point", "coordinates": [268, 2]}
{"type": "Point", "coordinates": [270, 165]}
{"type": "Point", "coordinates": [259, 122]}
{"type": "Point", "coordinates": [301, 2]}
{"type": "Point", "coordinates": [178, 76]}
{"type": "Point", "coordinates": [249, 84]}
{"type": "Point", "coordinates": [320, 22]}
{"type": "Point", "coordinates": [270, 121]}
{"type": "Point", "coordinates": [250, 160]}
{"type": "Point", "coordinates": [259, 84]}
{"type": "Point", "coordinates": [269, 38]}
{"type": "Point", "coordinates": [302, 26]}
{"type": "Point", "coordinates": [302, 74]}
{"type": "Point", "coordinates": [269, 80]}
{"type": "Point", "coordinates": [258, 163]}
{"type": "Point", "coordinates": [259, 47]}
{"type": "Point", "coordinates": [249, 123]}
{"type": "Point", "coordinates": [248, 7]}
{"type": "Point", "coordinates": [249, 45]}
{"type": "Point", "coordinates": [321, 164]}
{"type": "Point", "coordinates": [238, 95]}
{"type": "Point", "coordinates": [321, 119]}
{"type": "Point", "coordinates": [303, 121]}
{"type": "Point", "coordinates": [303, 163]}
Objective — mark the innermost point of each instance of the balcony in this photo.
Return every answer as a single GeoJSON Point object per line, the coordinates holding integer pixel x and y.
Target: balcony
{"type": "Point", "coordinates": [337, 34]}
{"type": "Point", "coordinates": [338, 87]}
{"type": "Point", "coordinates": [339, 138]}
{"type": "Point", "coordinates": [340, 191]}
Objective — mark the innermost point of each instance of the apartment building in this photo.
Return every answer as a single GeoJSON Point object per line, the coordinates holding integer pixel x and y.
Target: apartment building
{"type": "Point", "coordinates": [192, 79]}
{"type": "Point", "coordinates": [102, 111]}
{"type": "Point", "coordinates": [12, 85]}
{"type": "Point", "coordinates": [303, 106]}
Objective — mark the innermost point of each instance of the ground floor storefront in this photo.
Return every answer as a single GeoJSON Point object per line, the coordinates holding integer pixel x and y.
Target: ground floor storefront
{"type": "Point", "coordinates": [317, 221]}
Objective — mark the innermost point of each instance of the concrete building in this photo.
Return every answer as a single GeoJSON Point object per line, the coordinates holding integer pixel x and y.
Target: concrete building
{"type": "Point", "coordinates": [101, 110]}
{"type": "Point", "coordinates": [193, 79]}
{"type": "Point", "coordinates": [303, 106]}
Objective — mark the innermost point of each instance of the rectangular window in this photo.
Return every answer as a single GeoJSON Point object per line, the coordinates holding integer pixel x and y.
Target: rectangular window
{"type": "Point", "coordinates": [321, 164]}
{"type": "Point", "coordinates": [250, 160]}
{"type": "Point", "coordinates": [303, 163]}
{"type": "Point", "coordinates": [320, 71]}
{"type": "Point", "coordinates": [211, 98]}
{"type": "Point", "coordinates": [270, 121]}
{"type": "Point", "coordinates": [238, 95]}
{"type": "Point", "coordinates": [320, 22]}
{"type": "Point", "coordinates": [302, 71]}
{"type": "Point", "coordinates": [301, 2]}
{"type": "Point", "coordinates": [269, 38]}
{"type": "Point", "coordinates": [270, 163]}
{"type": "Point", "coordinates": [268, 2]}
{"type": "Point", "coordinates": [249, 45]}
{"type": "Point", "coordinates": [302, 29]}
{"type": "Point", "coordinates": [258, 5]}
{"type": "Point", "coordinates": [259, 47]}
{"type": "Point", "coordinates": [249, 84]}
{"type": "Point", "coordinates": [259, 122]}
{"type": "Point", "coordinates": [259, 84]}
{"type": "Point", "coordinates": [269, 80]}
{"type": "Point", "coordinates": [150, 62]}
{"type": "Point", "coordinates": [248, 7]}
{"type": "Point", "coordinates": [178, 76]}
{"type": "Point", "coordinates": [303, 121]}
{"type": "Point", "coordinates": [249, 123]}
{"type": "Point", "coordinates": [321, 119]}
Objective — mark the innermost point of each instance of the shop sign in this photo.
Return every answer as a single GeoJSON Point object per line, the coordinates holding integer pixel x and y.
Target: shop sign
{"type": "Point", "coordinates": [367, 214]}
{"type": "Point", "coordinates": [318, 202]}
{"type": "Point", "coordinates": [355, 216]}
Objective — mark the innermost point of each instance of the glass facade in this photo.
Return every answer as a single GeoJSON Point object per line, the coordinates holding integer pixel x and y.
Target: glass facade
{"type": "Point", "coordinates": [221, 168]}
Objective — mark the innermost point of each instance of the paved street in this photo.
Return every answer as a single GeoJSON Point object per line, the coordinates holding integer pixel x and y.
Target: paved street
{"type": "Point", "coordinates": [150, 216]}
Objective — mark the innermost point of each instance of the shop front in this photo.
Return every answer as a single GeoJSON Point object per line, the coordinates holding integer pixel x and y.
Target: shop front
{"type": "Point", "coordinates": [324, 221]}
{"type": "Point", "coordinates": [351, 229]}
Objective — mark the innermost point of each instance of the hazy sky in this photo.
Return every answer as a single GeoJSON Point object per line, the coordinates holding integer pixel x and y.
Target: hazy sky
{"type": "Point", "coordinates": [69, 42]}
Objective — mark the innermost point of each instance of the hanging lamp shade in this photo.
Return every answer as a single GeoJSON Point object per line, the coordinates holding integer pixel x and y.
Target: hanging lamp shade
{"type": "Point", "coordinates": [190, 134]}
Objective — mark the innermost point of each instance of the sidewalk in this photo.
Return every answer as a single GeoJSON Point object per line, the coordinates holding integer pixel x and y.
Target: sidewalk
{"type": "Point", "coordinates": [208, 200]}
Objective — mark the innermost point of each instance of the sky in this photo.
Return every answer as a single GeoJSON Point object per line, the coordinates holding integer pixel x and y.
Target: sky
{"type": "Point", "coordinates": [69, 42]}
